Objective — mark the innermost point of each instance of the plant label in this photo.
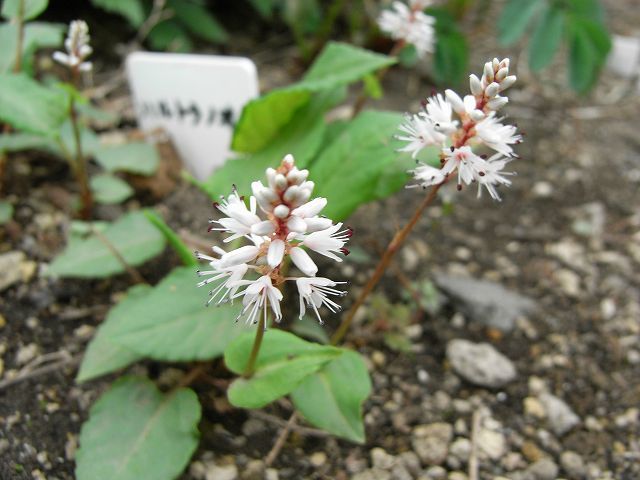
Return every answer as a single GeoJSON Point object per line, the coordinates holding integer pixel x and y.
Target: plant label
{"type": "Point", "coordinates": [196, 99]}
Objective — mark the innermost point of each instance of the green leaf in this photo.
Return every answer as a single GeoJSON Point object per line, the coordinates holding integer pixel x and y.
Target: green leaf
{"type": "Point", "coordinates": [589, 9]}
{"type": "Point", "coordinates": [185, 254]}
{"type": "Point", "coordinates": [308, 327]}
{"type": "Point", "coordinates": [263, 7]}
{"type": "Point", "coordinates": [372, 86]}
{"type": "Point", "coordinates": [546, 37]}
{"type": "Point", "coordinates": [36, 35]}
{"type": "Point", "coordinates": [361, 164]}
{"type": "Point", "coordinates": [171, 323]}
{"type": "Point", "coordinates": [135, 431]}
{"type": "Point", "coordinates": [303, 138]}
{"type": "Point", "coordinates": [198, 21]}
{"type": "Point", "coordinates": [109, 189]}
{"type": "Point", "coordinates": [589, 44]}
{"type": "Point", "coordinates": [341, 64]}
{"type": "Point", "coordinates": [135, 157]}
{"type": "Point", "coordinates": [28, 106]}
{"type": "Point", "coordinates": [337, 65]}
{"type": "Point", "coordinates": [263, 118]}
{"type": "Point", "coordinates": [132, 235]}
{"type": "Point", "coordinates": [132, 10]}
{"type": "Point", "coordinates": [170, 36]}
{"type": "Point", "coordinates": [16, 142]}
{"type": "Point", "coordinates": [331, 399]}
{"type": "Point", "coordinates": [6, 212]}
{"type": "Point", "coordinates": [103, 355]}
{"type": "Point", "coordinates": [515, 17]}
{"type": "Point", "coordinates": [283, 362]}
{"type": "Point", "coordinates": [408, 56]}
{"type": "Point", "coordinates": [31, 9]}
{"type": "Point", "coordinates": [450, 59]}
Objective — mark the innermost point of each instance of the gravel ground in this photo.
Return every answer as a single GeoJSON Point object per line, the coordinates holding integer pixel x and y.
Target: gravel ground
{"type": "Point", "coordinates": [520, 361]}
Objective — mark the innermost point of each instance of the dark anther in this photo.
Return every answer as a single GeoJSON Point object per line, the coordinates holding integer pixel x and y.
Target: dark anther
{"type": "Point", "coordinates": [453, 149]}
{"type": "Point", "coordinates": [459, 187]}
{"type": "Point", "coordinates": [345, 251]}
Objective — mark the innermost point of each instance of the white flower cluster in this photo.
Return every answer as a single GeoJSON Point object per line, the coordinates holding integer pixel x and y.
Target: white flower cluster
{"type": "Point", "coordinates": [77, 46]}
{"type": "Point", "coordinates": [409, 24]}
{"type": "Point", "coordinates": [478, 124]}
{"type": "Point", "coordinates": [292, 226]}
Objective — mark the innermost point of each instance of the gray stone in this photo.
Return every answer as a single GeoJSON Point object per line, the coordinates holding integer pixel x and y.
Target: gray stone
{"type": "Point", "coordinates": [218, 472]}
{"type": "Point", "coordinates": [573, 465]}
{"type": "Point", "coordinates": [411, 462]}
{"type": "Point", "coordinates": [486, 302]}
{"type": "Point", "coordinates": [544, 469]}
{"type": "Point", "coordinates": [436, 473]}
{"type": "Point", "coordinates": [559, 415]}
{"type": "Point", "coordinates": [381, 459]}
{"type": "Point", "coordinates": [399, 472]}
{"type": "Point", "coordinates": [431, 442]}
{"type": "Point", "coordinates": [14, 268]}
{"type": "Point", "coordinates": [480, 363]}
{"type": "Point", "coordinates": [254, 470]}
{"type": "Point", "coordinates": [461, 449]}
{"type": "Point", "coordinates": [372, 474]}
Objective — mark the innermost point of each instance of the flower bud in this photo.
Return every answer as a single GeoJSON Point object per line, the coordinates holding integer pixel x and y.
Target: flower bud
{"type": "Point", "coordinates": [475, 85]}
{"type": "Point", "coordinates": [492, 90]}
{"type": "Point", "coordinates": [502, 73]}
{"type": "Point", "coordinates": [497, 103]}
{"type": "Point", "coordinates": [281, 211]}
{"type": "Point", "coordinates": [507, 82]}
{"type": "Point", "coordinates": [488, 72]}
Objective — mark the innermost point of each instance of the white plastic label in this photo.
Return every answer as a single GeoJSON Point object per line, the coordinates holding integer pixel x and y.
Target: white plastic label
{"type": "Point", "coordinates": [196, 99]}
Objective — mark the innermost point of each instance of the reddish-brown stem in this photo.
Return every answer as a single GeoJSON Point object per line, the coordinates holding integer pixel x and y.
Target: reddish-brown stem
{"type": "Point", "coordinates": [387, 256]}
{"type": "Point", "coordinates": [17, 66]}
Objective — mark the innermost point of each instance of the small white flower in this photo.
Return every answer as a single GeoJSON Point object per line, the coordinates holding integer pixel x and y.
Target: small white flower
{"type": "Point", "coordinates": [240, 220]}
{"type": "Point", "coordinates": [497, 136]}
{"type": "Point", "coordinates": [470, 166]}
{"type": "Point", "coordinates": [438, 110]}
{"type": "Point", "coordinates": [329, 242]}
{"type": "Point", "coordinates": [230, 277]}
{"type": "Point", "coordinates": [258, 296]}
{"type": "Point", "coordinates": [409, 24]}
{"type": "Point", "coordinates": [77, 46]}
{"type": "Point", "coordinates": [292, 225]}
{"type": "Point", "coordinates": [426, 175]}
{"type": "Point", "coordinates": [419, 132]}
{"type": "Point", "coordinates": [314, 292]}
{"type": "Point", "coordinates": [466, 106]}
{"type": "Point", "coordinates": [494, 175]}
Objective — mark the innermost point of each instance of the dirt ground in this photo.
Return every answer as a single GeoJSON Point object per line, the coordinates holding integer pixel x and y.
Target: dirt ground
{"type": "Point", "coordinates": [566, 235]}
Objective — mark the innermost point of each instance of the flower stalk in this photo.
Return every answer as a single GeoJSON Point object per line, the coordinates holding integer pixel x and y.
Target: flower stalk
{"type": "Point", "coordinates": [17, 66]}
{"type": "Point", "coordinates": [255, 350]}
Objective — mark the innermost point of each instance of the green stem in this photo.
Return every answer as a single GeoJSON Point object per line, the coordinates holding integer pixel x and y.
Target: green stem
{"type": "Point", "coordinates": [17, 66]}
{"type": "Point", "coordinates": [257, 342]}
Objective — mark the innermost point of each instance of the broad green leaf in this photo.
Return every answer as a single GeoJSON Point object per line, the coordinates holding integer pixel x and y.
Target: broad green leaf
{"type": "Point", "coordinates": [186, 255]}
{"type": "Point", "coordinates": [135, 431]}
{"type": "Point", "coordinates": [361, 164]}
{"type": "Point", "coordinates": [337, 65]}
{"type": "Point", "coordinates": [132, 10]}
{"type": "Point", "coordinates": [341, 64]}
{"type": "Point", "coordinates": [283, 362]}
{"type": "Point", "coordinates": [589, 9]}
{"type": "Point", "coordinates": [198, 21]}
{"type": "Point", "coordinates": [264, 7]}
{"type": "Point", "coordinates": [16, 142]}
{"type": "Point", "coordinates": [582, 60]}
{"type": "Point", "coordinates": [331, 398]}
{"type": "Point", "coordinates": [546, 38]}
{"type": "Point", "coordinates": [372, 86]}
{"type": "Point", "coordinates": [302, 17]}
{"type": "Point", "coordinates": [109, 189]}
{"type": "Point", "coordinates": [140, 158]}
{"type": "Point", "coordinates": [450, 59]}
{"type": "Point", "coordinates": [170, 36]}
{"type": "Point", "coordinates": [102, 355]}
{"type": "Point", "coordinates": [6, 212]}
{"type": "Point", "coordinates": [408, 56]}
{"type": "Point", "coordinates": [172, 323]}
{"type": "Point", "coordinates": [36, 35]}
{"type": "Point", "coordinates": [514, 19]}
{"type": "Point", "coordinates": [308, 327]}
{"type": "Point", "coordinates": [303, 137]}
{"type": "Point", "coordinates": [263, 118]}
{"type": "Point", "coordinates": [30, 9]}
{"type": "Point", "coordinates": [28, 106]}
{"type": "Point", "coordinates": [100, 116]}
{"type": "Point", "coordinates": [132, 235]}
